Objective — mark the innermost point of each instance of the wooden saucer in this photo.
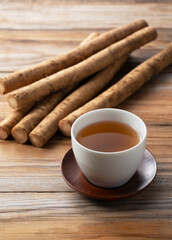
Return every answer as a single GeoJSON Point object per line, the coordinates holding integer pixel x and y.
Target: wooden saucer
{"type": "Point", "coordinates": [75, 179]}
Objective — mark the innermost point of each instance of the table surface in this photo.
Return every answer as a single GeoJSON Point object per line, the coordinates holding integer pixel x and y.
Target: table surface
{"type": "Point", "coordinates": [35, 202]}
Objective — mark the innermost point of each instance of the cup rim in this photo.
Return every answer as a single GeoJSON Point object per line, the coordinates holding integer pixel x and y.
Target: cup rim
{"type": "Point", "coordinates": [108, 109]}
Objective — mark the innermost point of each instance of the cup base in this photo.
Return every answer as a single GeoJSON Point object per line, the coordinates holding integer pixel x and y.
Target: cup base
{"type": "Point", "coordinates": [107, 186]}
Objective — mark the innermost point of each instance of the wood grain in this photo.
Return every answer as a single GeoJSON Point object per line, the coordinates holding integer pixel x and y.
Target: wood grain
{"type": "Point", "coordinates": [79, 14]}
{"type": "Point", "coordinates": [35, 202]}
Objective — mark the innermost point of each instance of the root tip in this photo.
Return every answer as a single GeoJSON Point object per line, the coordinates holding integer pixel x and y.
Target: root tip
{"type": "Point", "coordinates": [12, 101]}
{"type": "Point", "coordinates": [3, 133]}
{"type": "Point", "coordinates": [36, 140]}
{"type": "Point", "coordinates": [20, 135]}
{"type": "Point", "coordinates": [65, 130]}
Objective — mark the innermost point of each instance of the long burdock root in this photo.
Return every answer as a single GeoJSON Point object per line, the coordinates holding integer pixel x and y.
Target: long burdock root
{"type": "Point", "coordinates": [26, 125]}
{"type": "Point", "coordinates": [8, 123]}
{"type": "Point", "coordinates": [82, 70]}
{"type": "Point", "coordinates": [123, 89]}
{"type": "Point", "coordinates": [48, 127]}
{"type": "Point", "coordinates": [22, 129]}
{"type": "Point", "coordinates": [46, 68]}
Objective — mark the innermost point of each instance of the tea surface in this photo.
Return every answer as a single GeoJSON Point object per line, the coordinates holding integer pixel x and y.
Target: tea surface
{"type": "Point", "coordinates": [108, 136]}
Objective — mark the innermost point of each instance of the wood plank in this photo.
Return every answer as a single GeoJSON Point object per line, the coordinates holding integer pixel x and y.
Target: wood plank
{"type": "Point", "coordinates": [79, 15]}
{"type": "Point", "coordinates": [38, 205]}
{"type": "Point", "coordinates": [71, 216]}
{"type": "Point", "coordinates": [89, 227]}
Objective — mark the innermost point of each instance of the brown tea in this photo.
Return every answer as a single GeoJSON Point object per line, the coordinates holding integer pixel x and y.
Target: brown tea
{"type": "Point", "coordinates": [108, 136]}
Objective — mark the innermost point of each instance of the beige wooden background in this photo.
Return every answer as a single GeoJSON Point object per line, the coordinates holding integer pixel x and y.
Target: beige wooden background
{"type": "Point", "coordinates": [35, 202]}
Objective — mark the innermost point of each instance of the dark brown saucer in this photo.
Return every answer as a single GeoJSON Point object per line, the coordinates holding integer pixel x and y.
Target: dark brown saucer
{"type": "Point", "coordinates": [75, 179]}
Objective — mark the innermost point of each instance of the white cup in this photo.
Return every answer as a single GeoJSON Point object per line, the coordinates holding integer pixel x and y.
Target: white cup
{"type": "Point", "coordinates": [109, 169]}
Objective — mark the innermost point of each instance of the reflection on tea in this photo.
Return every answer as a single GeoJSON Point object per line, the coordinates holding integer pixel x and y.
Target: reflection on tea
{"type": "Point", "coordinates": [108, 136]}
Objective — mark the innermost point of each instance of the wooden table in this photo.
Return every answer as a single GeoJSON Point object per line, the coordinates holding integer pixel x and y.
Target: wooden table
{"type": "Point", "coordinates": [35, 202]}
